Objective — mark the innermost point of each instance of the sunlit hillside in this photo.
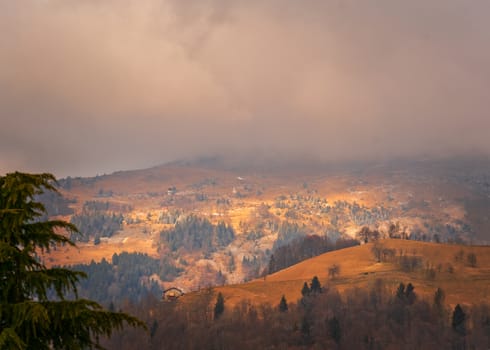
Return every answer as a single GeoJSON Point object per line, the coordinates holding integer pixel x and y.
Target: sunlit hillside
{"type": "Point", "coordinates": [132, 211]}
{"type": "Point", "coordinates": [440, 266]}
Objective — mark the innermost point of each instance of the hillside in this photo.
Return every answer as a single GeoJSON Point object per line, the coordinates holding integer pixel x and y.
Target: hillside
{"type": "Point", "coordinates": [372, 310]}
{"type": "Point", "coordinates": [133, 211]}
{"type": "Point", "coordinates": [359, 268]}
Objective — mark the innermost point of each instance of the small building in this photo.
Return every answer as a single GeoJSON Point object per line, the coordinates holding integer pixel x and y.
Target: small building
{"type": "Point", "coordinates": [171, 190]}
{"type": "Point", "coordinates": [172, 294]}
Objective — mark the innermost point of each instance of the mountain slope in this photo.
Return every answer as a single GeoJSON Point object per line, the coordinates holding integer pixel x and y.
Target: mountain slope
{"type": "Point", "coordinates": [359, 268]}
{"type": "Point", "coordinates": [431, 201]}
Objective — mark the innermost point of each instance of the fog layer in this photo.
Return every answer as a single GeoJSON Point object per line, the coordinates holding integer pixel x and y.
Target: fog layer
{"type": "Point", "coordinates": [89, 87]}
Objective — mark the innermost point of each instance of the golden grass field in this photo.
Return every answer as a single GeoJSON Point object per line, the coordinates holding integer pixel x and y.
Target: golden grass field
{"type": "Point", "coordinates": [359, 269]}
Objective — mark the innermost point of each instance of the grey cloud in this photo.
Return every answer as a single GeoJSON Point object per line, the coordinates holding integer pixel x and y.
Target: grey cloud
{"type": "Point", "coordinates": [96, 86]}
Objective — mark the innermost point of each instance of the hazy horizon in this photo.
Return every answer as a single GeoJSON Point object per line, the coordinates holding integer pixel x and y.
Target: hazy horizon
{"type": "Point", "coordinates": [95, 87]}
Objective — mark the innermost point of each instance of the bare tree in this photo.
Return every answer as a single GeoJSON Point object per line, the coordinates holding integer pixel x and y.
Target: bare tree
{"type": "Point", "coordinates": [333, 271]}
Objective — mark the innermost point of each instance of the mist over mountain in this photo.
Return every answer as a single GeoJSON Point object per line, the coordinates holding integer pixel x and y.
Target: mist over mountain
{"type": "Point", "coordinates": [93, 87]}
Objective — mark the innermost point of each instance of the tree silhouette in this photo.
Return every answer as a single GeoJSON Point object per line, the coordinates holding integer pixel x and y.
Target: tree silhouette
{"type": "Point", "coordinates": [400, 292]}
{"type": "Point", "coordinates": [219, 307]}
{"type": "Point", "coordinates": [315, 286]}
{"type": "Point", "coordinates": [305, 290]}
{"type": "Point", "coordinates": [410, 294]}
{"type": "Point", "coordinates": [439, 297]}
{"type": "Point", "coordinates": [29, 319]}
{"type": "Point", "coordinates": [459, 319]}
{"type": "Point", "coordinates": [333, 271]}
{"type": "Point", "coordinates": [283, 304]}
{"type": "Point", "coordinates": [272, 265]}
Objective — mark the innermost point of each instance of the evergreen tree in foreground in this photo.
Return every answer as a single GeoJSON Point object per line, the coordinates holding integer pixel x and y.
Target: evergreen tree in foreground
{"type": "Point", "coordinates": [28, 318]}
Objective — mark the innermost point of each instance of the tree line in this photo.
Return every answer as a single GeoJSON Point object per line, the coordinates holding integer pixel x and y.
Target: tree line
{"type": "Point", "coordinates": [128, 276]}
{"type": "Point", "coordinates": [378, 317]}
{"type": "Point", "coordinates": [55, 204]}
{"type": "Point", "coordinates": [95, 221]}
{"type": "Point", "coordinates": [302, 248]}
{"type": "Point", "coordinates": [196, 233]}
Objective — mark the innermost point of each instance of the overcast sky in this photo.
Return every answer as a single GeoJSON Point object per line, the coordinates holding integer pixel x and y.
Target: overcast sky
{"type": "Point", "coordinates": [94, 86]}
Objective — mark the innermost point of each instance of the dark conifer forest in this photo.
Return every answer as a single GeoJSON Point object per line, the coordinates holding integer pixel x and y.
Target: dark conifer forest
{"type": "Point", "coordinates": [373, 318]}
